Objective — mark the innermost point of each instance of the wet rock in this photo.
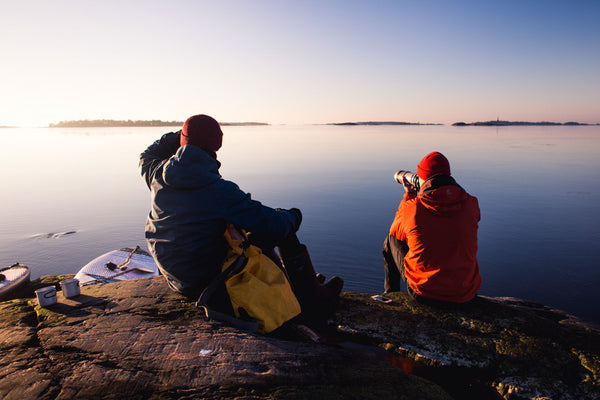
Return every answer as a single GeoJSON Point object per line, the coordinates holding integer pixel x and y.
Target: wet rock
{"type": "Point", "coordinates": [52, 235]}
{"type": "Point", "coordinates": [137, 339]}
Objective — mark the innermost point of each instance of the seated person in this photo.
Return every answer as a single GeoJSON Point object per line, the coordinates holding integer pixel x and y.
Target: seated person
{"type": "Point", "coordinates": [192, 205]}
{"type": "Point", "coordinates": [432, 243]}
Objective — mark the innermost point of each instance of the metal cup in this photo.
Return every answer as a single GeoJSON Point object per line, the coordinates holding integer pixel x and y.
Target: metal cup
{"type": "Point", "coordinates": [70, 287]}
{"type": "Point", "coordinates": [46, 296]}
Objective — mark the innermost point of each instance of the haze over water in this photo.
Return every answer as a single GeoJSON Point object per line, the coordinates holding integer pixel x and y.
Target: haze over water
{"type": "Point", "coordinates": [73, 194]}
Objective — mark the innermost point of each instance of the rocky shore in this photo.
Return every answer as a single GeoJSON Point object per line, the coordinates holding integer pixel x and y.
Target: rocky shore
{"type": "Point", "coordinates": [138, 340]}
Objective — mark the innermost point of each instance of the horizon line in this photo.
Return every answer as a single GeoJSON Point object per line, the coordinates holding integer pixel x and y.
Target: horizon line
{"type": "Point", "coordinates": [160, 123]}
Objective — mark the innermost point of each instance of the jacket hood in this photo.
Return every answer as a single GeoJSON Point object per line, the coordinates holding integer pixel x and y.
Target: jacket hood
{"type": "Point", "coordinates": [442, 195]}
{"type": "Point", "coordinates": [191, 168]}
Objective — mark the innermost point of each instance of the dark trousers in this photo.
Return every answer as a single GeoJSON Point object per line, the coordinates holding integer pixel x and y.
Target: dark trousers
{"type": "Point", "coordinates": [394, 251]}
{"type": "Point", "coordinates": [288, 246]}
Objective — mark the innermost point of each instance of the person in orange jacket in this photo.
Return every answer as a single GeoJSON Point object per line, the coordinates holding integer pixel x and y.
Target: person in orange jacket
{"type": "Point", "coordinates": [432, 243]}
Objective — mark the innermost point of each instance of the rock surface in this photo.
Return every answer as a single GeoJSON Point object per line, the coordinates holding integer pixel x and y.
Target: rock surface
{"type": "Point", "coordinates": [137, 339]}
{"type": "Point", "coordinates": [520, 349]}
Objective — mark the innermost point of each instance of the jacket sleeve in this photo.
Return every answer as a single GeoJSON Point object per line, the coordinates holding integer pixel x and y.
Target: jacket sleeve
{"type": "Point", "coordinates": [397, 229]}
{"type": "Point", "coordinates": [157, 153]}
{"type": "Point", "coordinates": [253, 216]}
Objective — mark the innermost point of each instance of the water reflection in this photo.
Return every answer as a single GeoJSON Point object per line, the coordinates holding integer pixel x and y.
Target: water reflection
{"type": "Point", "coordinates": [538, 189]}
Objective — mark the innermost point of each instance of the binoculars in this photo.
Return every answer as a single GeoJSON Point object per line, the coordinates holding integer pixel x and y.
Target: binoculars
{"type": "Point", "coordinates": [410, 177]}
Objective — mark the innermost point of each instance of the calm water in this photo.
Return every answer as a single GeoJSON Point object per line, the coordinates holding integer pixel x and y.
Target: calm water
{"type": "Point", "coordinates": [538, 188]}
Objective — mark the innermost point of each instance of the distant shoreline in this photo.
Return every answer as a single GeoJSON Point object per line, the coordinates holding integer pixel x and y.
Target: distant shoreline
{"type": "Point", "coordinates": [483, 123]}
{"type": "Point", "coordinates": [111, 123]}
{"type": "Point", "coordinates": [521, 123]}
{"type": "Point", "coordinates": [378, 123]}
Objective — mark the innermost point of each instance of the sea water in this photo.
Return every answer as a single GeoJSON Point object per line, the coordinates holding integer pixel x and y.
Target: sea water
{"type": "Point", "coordinates": [71, 194]}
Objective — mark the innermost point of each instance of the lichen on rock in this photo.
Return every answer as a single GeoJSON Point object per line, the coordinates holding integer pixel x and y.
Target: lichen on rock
{"type": "Point", "coordinates": [522, 349]}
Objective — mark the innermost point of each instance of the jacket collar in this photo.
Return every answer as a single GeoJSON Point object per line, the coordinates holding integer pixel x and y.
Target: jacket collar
{"type": "Point", "coordinates": [436, 182]}
{"type": "Point", "coordinates": [442, 195]}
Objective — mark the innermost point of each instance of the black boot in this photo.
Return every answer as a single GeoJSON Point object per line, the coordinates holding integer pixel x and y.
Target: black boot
{"type": "Point", "coordinates": [320, 278]}
{"type": "Point", "coordinates": [316, 299]}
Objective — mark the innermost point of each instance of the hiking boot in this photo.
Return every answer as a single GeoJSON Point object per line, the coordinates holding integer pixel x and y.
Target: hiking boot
{"type": "Point", "coordinates": [334, 285]}
{"type": "Point", "coordinates": [307, 286]}
{"type": "Point", "coordinates": [320, 278]}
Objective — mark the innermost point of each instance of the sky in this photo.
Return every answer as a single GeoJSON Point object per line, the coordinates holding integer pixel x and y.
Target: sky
{"type": "Point", "coordinates": [299, 62]}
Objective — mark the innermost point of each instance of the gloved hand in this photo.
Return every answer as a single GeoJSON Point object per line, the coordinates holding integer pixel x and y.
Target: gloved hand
{"type": "Point", "coordinates": [299, 213]}
{"type": "Point", "coordinates": [172, 142]}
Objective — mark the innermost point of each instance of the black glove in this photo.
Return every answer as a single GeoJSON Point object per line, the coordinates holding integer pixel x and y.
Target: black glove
{"type": "Point", "coordinates": [299, 213]}
{"type": "Point", "coordinates": [171, 142]}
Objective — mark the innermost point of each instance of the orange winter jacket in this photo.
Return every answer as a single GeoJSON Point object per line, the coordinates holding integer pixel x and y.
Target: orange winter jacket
{"type": "Point", "coordinates": [440, 228]}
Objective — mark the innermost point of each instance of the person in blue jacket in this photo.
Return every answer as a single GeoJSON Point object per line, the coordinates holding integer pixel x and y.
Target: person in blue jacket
{"type": "Point", "coordinates": [192, 205]}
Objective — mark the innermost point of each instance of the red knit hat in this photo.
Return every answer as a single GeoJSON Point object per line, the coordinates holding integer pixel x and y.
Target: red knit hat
{"type": "Point", "coordinates": [432, 164]}
{"type": "Point", "coordinates": [202, 131]}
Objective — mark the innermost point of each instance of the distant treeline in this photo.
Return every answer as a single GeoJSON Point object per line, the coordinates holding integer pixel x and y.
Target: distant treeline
{"type": "Point", "coordinates": [92, 123]}
{"type": "Point", "coordinates": [106, 123]}
{"type": "Point", "coordinates": [518, 123]}
{"type": "Point", "coordinates": [378, 123]}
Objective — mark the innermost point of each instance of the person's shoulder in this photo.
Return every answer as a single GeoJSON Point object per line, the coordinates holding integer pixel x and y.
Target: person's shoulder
{"type": "Point", "coordinates": [226, 184]}
{"type": "Point", "coordinates": [472, 200]}
{"type": "Point", "coordinates": [228, 191]}
{"type": "Point", "coordinates": [470, 196]}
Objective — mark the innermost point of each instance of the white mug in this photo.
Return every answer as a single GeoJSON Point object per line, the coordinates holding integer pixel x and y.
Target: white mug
{"type": "Point", "coordinates": [46, 296]}
{"type": "Point", "coordinates": [70, 287]}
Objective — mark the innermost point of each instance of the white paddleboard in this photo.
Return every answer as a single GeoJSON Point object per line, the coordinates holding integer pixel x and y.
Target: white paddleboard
{"type": "Point", "coordinates": [122, 262]}
{"type": "Point", "coordinates": [14, 277]}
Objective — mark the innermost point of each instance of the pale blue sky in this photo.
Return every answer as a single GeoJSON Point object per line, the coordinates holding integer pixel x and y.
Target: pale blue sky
{"type": "Point", "coordinates": [300, 61]}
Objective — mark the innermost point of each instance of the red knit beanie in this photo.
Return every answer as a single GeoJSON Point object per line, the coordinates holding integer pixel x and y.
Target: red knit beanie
{"type": "Point", "coordinates": [202, 131]}
{"type": "Point", "coordinates": [432, 164]}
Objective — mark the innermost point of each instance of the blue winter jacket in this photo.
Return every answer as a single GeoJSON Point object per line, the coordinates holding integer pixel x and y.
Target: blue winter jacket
{"type": "Point", "coordinates": [191, 205]}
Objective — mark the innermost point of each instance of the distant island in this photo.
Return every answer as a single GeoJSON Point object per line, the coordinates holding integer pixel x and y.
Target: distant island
{"type": "Point", "coordinates": [379, 123]}
{"type": "Point", "coordinates": [519, 123]}
{"type": "Point", "coordinates": [112, 123]}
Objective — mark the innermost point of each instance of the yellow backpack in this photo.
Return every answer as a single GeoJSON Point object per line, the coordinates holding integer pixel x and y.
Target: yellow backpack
{"type": "Point", "coordinates": [256, 286]}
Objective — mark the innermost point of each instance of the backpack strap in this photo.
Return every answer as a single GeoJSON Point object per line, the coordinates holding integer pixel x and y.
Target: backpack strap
{"type": "Point", "coordinates": [235, 267]}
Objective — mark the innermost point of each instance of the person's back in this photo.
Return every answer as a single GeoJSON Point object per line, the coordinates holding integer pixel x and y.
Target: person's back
{"type": "Point", "coordinates": [191, 205]}
{"type": "Point", "coordinates": [433, 239]}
